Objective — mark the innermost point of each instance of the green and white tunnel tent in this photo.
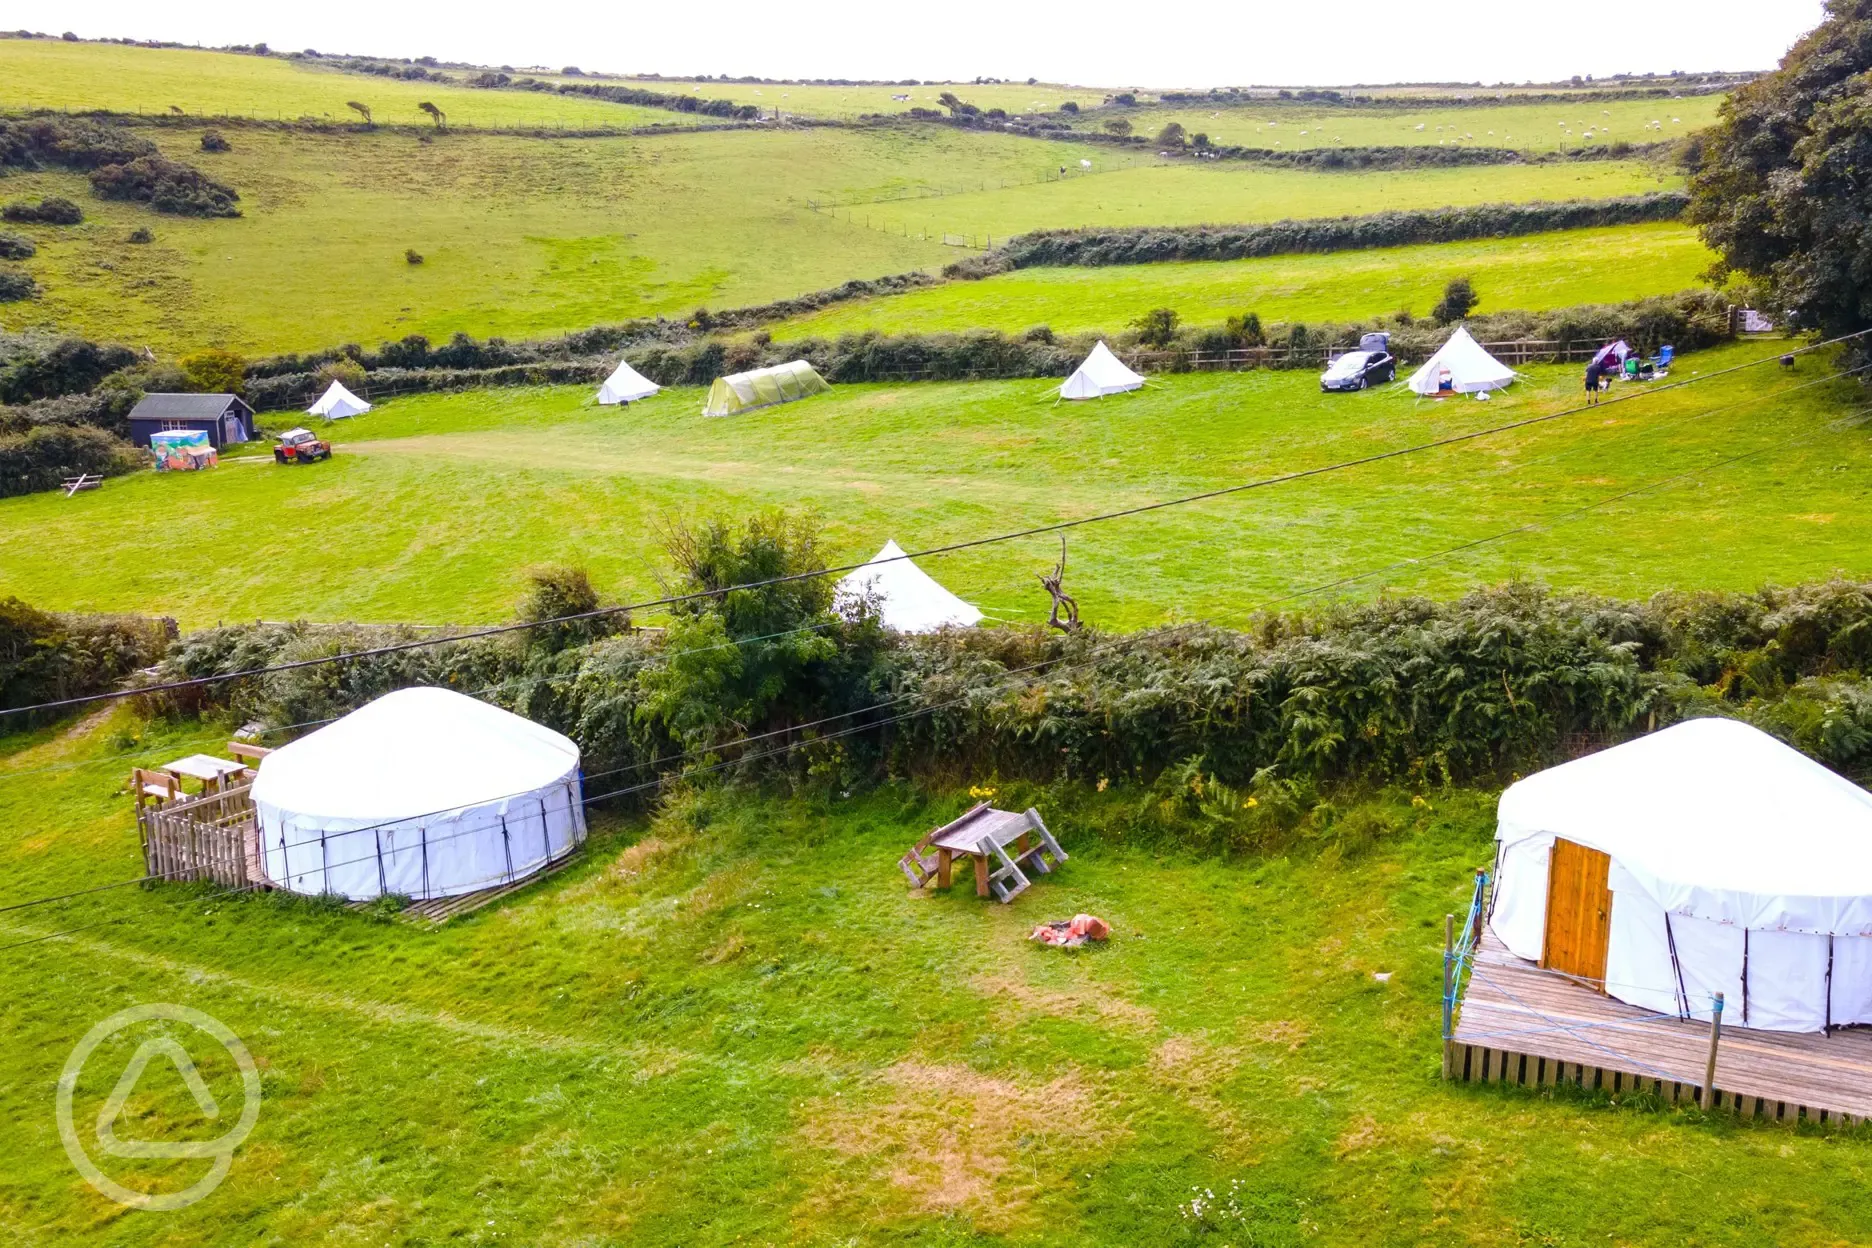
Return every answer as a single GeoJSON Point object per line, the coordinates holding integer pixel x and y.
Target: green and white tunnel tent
{"type": "Point", "coordinates": [1102, 373]}
{"type": "Point", "coordinates": [626, 385]}
{"type": "Point", "coordinates": [763, 387]}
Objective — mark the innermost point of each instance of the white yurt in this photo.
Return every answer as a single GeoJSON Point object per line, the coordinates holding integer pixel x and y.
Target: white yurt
{"type": "Point", "coordinates": [423, 792]}
{"type": "Point", "coordinates": [909, 599]}
{"type": "Point", "coordinates": [1471, 369]}
{"type": "Point", "coordinates": [338, 403]}
{"type": "Point", "coordinates": [1707, 857]}
{"type": "Point", "coordinates": [1102, 373]}
{"type": "Point", "coordinates": [626, 385]}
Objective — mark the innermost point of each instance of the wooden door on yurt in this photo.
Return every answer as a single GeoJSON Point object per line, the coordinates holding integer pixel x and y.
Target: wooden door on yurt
{"type": "Point", "coordinates": [1579, 912]}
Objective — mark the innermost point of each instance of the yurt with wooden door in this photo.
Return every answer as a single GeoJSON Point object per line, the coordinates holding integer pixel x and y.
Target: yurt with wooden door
{"type": "Point", "coordinates": [1707, 857]}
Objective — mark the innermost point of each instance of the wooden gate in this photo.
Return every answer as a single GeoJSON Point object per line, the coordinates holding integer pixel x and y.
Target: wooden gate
{"type": "Point", "coordinates": [1579, 912]}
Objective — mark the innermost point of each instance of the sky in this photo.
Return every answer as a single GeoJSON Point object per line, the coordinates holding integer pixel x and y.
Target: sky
{"type": "Point", "coordinates": [1195, 43]}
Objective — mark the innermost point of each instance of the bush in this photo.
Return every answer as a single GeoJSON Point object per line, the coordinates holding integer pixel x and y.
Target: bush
{"type": "Point", "coordinates": [15, 286]}
{"type": "Point", "coordinates": [1119, 126]}
{"type": "Point", "coordinates": [215, 371]}
{"type": "Point", "coordinates": [1157, 327]}
{"type": "Point", "coordinates": [40, 369]}
{"type": "Point", "coordinates": [16, 247]}
{"type": "Point", "coordinates": [52, 210]}
{"type": "Point", "coordinates": [215, 141]}
{"type": "Point", "coordinates": [412, 256]}
{"type": "Point", "coordinates": [1171, 135]}
{"type": "Point", "coordinates": [167, 186]}
{"type": "Point", "coordinates": [1068, 106]}
{"type": "Point", "coordinates": [1459, 299]}
{"type": "Point", "coordinates": [142, 234]}
{"type": "Point", "coordinates": [555, 592]}
{"type": "Point", "coordinates": [46, 657]}
{"type": "Point", "coordinates": [42, 457]}
{"type": "Point", "coordinates": [1246, 329]}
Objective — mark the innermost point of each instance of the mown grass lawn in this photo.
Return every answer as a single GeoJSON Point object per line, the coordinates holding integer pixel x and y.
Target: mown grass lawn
{"type": "Point", "coordinates": [734, 1024]}
{"type": "Point", "coordinates": [50, 73]}
{"type": "Point", "coordinates": [434, 504]}
{"type": "Point", "coordinates": [1534, 273]}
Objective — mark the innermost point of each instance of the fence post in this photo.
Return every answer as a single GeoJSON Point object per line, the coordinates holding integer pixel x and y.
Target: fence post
{"type": "Point", "coordinates": [1709, 1070]}
{"type": "Point", "coordinates": [1449, 976]}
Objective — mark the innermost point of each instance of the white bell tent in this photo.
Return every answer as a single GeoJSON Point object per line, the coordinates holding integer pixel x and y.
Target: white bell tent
{"type": "Point", "coordinates": [626, 385]}
{"type": "Point", "coordinates": [1471, 369]}
{"type": "Point", "coordinates": [1707, 857]}
{"type": "Point", "coordinates": [338, 403]}
{"type": "Point", "coordinates": [424, 792]}
{"type": "Point", "coordinates": [909, 599]}
{"type": "Point", "coordinates": [1102, 373]}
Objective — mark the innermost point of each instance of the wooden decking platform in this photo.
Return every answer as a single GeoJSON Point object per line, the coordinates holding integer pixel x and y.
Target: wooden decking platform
{"type": "Point", "coordinates": [436, 911]}
{"type": "Point", "coordinates": [1520, 1024]}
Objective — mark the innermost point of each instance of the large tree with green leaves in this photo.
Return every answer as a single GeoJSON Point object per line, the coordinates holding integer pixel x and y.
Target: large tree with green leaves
{"type": "Point", "coordinates": [1782, 186]}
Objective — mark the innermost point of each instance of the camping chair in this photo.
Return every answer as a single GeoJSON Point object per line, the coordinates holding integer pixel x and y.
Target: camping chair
{"type": "Point", "coordinates": [153, 788]}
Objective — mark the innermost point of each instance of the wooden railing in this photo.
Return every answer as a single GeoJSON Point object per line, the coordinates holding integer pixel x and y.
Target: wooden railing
{"type": "Point", "coordinates": [215, 838]}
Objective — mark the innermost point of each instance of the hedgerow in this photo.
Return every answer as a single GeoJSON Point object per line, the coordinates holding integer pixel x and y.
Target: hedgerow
{"type": "Point", "coordinates": [45, 657]}
{"type": "Point", "coordinates": [42, 457]}
{"type": "Point", "coordinates": [121, 165]}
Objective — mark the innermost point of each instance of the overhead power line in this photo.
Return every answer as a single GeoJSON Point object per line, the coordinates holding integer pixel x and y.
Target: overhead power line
{"type": "Point", "coordinates": [951, 548]}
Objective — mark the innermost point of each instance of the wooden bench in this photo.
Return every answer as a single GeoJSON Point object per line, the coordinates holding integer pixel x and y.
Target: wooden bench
{"type": "Point", "coordinates": [249, 754]}
{"type": "Point", "coordinates": [985, 835]}
{"type": "Point", "coordinates": [83, 481]}
{"type": "Point", "coordinates": [153, 788]}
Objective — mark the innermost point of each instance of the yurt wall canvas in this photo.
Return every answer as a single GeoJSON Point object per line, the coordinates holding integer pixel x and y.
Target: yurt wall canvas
{"type": "Point", "coordinates": [424, 793]}
{"type": "Point", "coordinates": [626, 385]}
{"type": "Point", "coordinates": [1716, 859]}
{"type": "Point", "coordinates": [763, 387]}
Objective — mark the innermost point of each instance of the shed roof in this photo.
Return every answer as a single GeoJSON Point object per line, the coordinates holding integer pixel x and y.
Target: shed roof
{"type": "Point", "coordinates": [185, 406]}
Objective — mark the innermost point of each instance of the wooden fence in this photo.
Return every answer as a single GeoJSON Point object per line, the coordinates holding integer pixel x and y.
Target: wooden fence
{"type": "Point", "coordinates": [215, 838]}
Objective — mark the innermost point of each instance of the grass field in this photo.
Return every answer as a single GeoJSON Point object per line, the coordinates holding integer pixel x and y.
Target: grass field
{"type": "Point", "coordinates": [434, 504]}
{"type": "Point", "coordinates": [734, 1025]}
{"type": "Point", "coordinates": [1534, 273]}
{"type": "Point", "coordinates": [42, 73]}
{"type": "Point", "coordinates": [523, 236]}
{"type": "Point", "coordinates": [1526, 127]}
{"type": "Point", "coordinates": [815, 100]}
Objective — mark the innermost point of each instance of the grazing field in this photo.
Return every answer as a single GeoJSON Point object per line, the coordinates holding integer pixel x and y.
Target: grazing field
{"type": "Point", "coordinates": [734, 1024]}
{"type": "Point", "coordinates": [526, 236]}
{"type": "Point", "coordinates": [433, 504]}
{"type": "Point", "coordinates": [1190, 192]}
{"type": "Point", "coordinates": [1552, 127]}
{"type": "Point", "coordinates": [844, 103]}
{"type": "Point", "coordinates": [44, 73]}
{"type": "Point", "coordinates": [1533, 273]}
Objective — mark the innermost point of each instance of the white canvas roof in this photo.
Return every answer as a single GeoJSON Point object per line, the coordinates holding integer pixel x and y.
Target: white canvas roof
{"type": "Point", "coordinates": [909, 599]}
{"type": "Point", "coordinates": [1471, 368]}
{"type": "Point", "coordinates": [626, 385]}
{"type": "Point", "coordinates": [1714, 829]}
{"type": "Point", "coordinates": [337, 403]}
{"type": "Point", "coordinates": [424, 792]}
{"type": "Point", "coordinates": [1102, 373]}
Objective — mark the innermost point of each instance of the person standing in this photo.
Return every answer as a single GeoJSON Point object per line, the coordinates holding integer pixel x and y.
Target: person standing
{"type": "Point", "coordinates": [1594, 375]}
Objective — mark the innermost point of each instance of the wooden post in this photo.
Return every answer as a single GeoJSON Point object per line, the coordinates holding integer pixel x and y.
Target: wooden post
{"type": "Point", "coordinates": [1449, 976]}
{"type": "Point", "coordinates": [1709, 1070]}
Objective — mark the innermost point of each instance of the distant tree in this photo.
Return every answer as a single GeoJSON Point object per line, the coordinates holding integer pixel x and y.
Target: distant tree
{"type": "Point", "coordinates": [950, 101]}
{"type": "Point", "coordinates": [1124, 99]}
{"type": "Point", "coordinates": [1157, 327]}
{"type": "Point", "coordinates": [69, 37]}
{"type": "Point", "coordinates": [1118, 126]}
{"type": "Point", "coordinates": [1781, 188]}
{"type": "Point", "coordinates": [215, 371]}
{"type": "Point", "coordinates": [361, 109]}
{"type": "Point", "coordinates": [1199, 140]}
{"type": "Point", "coordinates": [1171, 135]}
{"type": "Point", "coordinates": [435, 114]}
{"type": "Point", "coordinates": [1068, 106]}
{"type": "Point", "coordinates": [1459, 299]}
{"type": "Point", "coordinates": [1246, 329]}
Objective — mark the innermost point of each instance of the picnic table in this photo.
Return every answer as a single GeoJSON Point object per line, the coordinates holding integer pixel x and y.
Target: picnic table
{"type": "Point", "coordinates": [211, 771]}
{"type": "Point", "coordinates": [984, 835]}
